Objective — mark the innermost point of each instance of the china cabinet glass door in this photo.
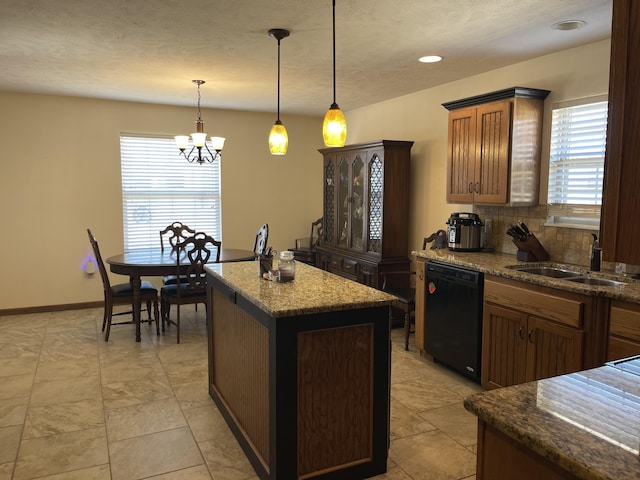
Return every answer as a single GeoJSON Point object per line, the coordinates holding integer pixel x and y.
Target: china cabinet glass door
{"type": "Point", "coordinates": [343, 202]}
{"type": "Point", "coordinates": [357, 198]}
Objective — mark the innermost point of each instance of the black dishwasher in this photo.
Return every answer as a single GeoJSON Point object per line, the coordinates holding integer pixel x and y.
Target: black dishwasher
{"type": "Point", "coordinates": [453, 317]}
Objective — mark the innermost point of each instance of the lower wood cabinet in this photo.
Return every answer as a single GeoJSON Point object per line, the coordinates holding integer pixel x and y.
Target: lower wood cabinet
{"type": "Point", "coordinates": [500, 457]}
{"type": "Point", "coordinates": [529, 334]}
{"type": "Point", "coordinates": [624, 330]}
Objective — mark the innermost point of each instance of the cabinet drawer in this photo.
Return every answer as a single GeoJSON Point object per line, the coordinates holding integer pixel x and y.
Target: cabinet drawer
{"type": "Point", "coordinates": [619, 348]}
{"type": "Point", "coordinates": [559, 309]}
{"type": "Point", "coordinates": [624, 323]}
{"type": "Point", "coordinates": [349, 266]}
{"type": "Point", "coordinates": [335, 263]}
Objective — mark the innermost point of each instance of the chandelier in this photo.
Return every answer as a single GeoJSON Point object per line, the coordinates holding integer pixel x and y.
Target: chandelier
{"type": "Point", "coordinates": [199, 138]}
{"type": "Point", "coordinates": [334, 126]}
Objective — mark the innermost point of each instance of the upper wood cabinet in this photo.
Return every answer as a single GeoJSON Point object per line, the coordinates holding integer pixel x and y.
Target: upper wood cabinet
{"type": "Point", "coordinates": [619, 227]}
{"type": "Point", "coordinates": [493, 152]}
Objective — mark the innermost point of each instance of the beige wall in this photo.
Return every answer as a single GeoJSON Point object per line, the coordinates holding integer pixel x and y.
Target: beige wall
{"type": "Point", "coordinates": [60, 170]}
{"type": "Point", "coordinates": [60, 174]}
{"type": "Point", "coordinates": [420, 117]}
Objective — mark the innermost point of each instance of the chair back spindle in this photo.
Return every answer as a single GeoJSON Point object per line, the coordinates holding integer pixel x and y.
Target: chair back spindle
{"type": "Point", "coordinates": [174, 234]}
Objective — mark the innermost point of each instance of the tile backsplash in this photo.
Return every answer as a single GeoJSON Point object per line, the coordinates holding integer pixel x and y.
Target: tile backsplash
{"type": "Point", "coordinates": [565, 245]}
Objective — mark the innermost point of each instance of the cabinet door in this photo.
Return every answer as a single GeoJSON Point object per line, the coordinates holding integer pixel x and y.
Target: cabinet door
{"type": "Point", "coordinates": [492, 152]}
{"type": "Point", "coordinates": [351, 200]}
{"type": "Point", "coordinates": [619, 227]}
{"type": "Point", "coordinates": [553, 349]}
{"type": "Point", "coordinates": [343, 197]}
{"type": "Point", "coordinates": [461, 155]}
{"type": "Point", "coordinates": [368, 275]}
{"type": "Point", "coordinates": [357, 204]}
{"type": "Point", "coordinates": [374, 199]}
{"type": "Point", "coordinates": [329, 227]}
{"type": "Point", "coordinates": [504, 347]}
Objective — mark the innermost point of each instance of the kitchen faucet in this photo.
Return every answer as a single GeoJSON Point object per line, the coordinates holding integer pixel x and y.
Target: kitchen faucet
{"type": "Point", "coordinates": [596, 252]}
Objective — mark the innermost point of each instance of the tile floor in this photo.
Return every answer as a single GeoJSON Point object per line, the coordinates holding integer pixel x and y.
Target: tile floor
{"type": "Point", "coordinates": [75, 407]}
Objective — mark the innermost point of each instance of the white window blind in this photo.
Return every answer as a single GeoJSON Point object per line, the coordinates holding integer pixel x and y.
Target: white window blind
{"type": "Point", "coordinates": [160, 187]}
{"type": "Point", "coordinates": [576, 161]}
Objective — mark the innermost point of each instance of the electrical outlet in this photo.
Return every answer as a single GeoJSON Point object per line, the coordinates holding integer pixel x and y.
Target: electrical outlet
{"type": "Point", "coordinates": [488, 226]}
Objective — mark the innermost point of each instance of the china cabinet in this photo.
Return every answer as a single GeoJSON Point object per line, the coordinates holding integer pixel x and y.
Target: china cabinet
{"type": "Point", "coordinates": [493, 149]}
{"type": "Point", "coordinates": [366, 210]}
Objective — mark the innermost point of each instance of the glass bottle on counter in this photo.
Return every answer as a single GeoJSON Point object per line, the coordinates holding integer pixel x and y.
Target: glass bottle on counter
{"type": "Point", "coordinates": [286, 266]}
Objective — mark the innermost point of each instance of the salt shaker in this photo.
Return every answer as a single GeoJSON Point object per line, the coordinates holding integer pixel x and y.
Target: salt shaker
{"type": "Point", "coordinates": [286, 266]}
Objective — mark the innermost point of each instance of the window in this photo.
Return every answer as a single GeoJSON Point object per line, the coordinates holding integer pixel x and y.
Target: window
{"type": "Point", "coordinates": [576, 162]}
{"type": "Point", "coordinates": [160, 187]}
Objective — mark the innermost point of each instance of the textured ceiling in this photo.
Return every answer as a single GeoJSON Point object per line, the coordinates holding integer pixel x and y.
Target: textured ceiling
{"type": "Point", "coordinates": [150, 50]}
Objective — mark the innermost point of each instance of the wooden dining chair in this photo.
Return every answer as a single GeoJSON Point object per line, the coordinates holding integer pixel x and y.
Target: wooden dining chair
{"type": "Point", "coordinates": [172, 235]}
{"type": "Point", "coordinates": [405, 294]}
{"type": "Point", "coordinates": [190, 288]}
{"type": "Point", "coordinates": [122, 294]}
{"type": "Point", "coordinates": [262, 237]}
{"type": "Point", "coordinates": [305, 249]}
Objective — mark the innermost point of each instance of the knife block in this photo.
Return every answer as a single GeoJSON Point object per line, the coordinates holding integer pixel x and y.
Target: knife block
{"type": "Point", "coordinates": [531, 250]}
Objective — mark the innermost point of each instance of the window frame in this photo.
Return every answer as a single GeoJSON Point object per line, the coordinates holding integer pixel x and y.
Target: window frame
{"type": "Point", "coordinates": [575, 215]}
{"type": "Point", "coordinates": [159, 186]}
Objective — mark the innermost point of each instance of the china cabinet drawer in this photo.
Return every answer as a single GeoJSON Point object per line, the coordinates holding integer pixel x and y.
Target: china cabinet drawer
{"type": "Point", "coordinates": [349, 266]}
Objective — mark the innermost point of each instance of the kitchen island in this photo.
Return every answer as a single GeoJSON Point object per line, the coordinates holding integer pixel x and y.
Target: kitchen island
{"type": "Point", "coordinates": [300, 370]}
{"type": "Point", "coordinates": [583, 425]}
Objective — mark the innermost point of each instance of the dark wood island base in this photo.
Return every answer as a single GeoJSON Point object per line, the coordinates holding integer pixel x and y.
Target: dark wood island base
{"type": "Point", "coordinates": [305, 389]}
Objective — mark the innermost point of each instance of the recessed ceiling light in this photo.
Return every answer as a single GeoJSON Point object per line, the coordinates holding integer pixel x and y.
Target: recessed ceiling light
{"type": "Point", "coordinates": [430, 59]}
{"type": "Point", "coordinates": [569, 25]}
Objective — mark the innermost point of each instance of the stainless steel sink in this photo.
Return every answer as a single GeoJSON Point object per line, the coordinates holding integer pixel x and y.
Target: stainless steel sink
{"type": "Point", "coordinates": [600, 282]}
{"type": "Point", "coordinates": [569, 275]}
{"type": "Point", "coordinates": [550, 272]}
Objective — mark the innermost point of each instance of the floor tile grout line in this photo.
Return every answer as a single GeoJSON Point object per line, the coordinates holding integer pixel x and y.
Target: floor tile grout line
{"type": "Point", "coordinates": [26, 413]}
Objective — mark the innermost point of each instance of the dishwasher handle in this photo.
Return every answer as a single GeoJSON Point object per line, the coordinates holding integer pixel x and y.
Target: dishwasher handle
{"type": "Point", "coordinates": [452, 274]}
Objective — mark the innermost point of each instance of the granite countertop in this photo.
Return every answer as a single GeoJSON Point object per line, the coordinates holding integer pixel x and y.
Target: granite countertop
{"type": "Point", "coordinates": [501, 265]}
{"type": "Point", "coordinates": [588, 422]}
{"type": "Point", "coordinates": [312, 291]}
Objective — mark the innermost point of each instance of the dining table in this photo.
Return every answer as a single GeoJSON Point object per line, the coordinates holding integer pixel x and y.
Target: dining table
{"type": "Point", "coordinates": [155, 262]}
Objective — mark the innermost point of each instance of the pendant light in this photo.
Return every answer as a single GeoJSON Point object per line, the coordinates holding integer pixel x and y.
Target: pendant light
{"type": "Point", "coordinates": [278, 138]}
{"type": "Point", "coordinates": [334, 127]}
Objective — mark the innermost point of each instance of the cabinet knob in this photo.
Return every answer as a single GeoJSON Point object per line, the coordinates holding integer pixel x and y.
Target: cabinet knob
{"type": "Point", "coordinates": [530, 336]}
{"type": "Point", "coordinates": [520, 332]}
{"type": "Point", "coordinates": [477, 190]}
{"type": "Point", "coordinates": [470, 187]}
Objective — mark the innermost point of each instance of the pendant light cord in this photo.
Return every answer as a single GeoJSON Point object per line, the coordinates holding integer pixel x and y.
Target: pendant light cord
{"type": "Point", "coordinates": [334, 52]}
{"type": "Point", "coordinates": [199, 113]}
{"type": "Point", "coordinates": [278, 79]}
